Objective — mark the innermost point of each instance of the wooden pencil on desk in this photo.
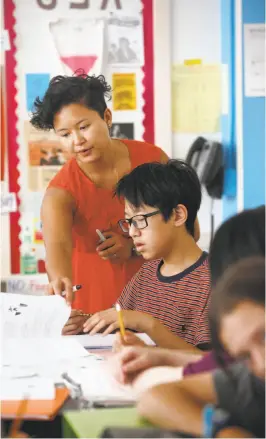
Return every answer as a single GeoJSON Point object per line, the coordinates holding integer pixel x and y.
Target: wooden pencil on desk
{"type": "Point", "coordinates": [15, 426]}
{"type": "Point", "coordinates": [120, 320]}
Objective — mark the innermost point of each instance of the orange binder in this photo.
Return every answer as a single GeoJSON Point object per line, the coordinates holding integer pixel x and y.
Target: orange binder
{"type": "Point", "coordinates": [36, 409]}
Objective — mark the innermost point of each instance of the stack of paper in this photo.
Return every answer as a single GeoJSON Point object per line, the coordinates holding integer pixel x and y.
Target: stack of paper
{"type": "Point", "coordinates": [33, 349]}
{"type": "Point", "coordinates": [32, 316]}
{"type": "Point", "coordinates": [35, 355]}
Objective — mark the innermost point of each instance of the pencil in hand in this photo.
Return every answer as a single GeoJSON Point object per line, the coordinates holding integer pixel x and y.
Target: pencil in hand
{"type": "Point", "coordinates": [120, 320]}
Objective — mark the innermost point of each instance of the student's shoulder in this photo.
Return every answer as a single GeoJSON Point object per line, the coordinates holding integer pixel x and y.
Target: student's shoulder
{"type": "Point", "coordinates": [148, 269]}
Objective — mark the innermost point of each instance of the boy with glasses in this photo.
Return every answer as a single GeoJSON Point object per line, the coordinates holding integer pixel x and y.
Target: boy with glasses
{"type": "Point", "coordinates": [168, 297]}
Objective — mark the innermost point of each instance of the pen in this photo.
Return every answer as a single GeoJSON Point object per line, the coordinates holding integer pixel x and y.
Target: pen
{"type": "Point", "coordinates": [120, 320]}
{"type": "Point", "coordinates": [208, 413]}
{"type": "Point", "coordinates": [101, 236]}
{"type": "Point", "coordinates": [74, 289]}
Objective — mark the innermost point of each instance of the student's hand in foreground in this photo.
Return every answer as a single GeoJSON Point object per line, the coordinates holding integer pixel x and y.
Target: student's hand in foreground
{"type": "Point", "coordinates": [75, 323]}
{"type": "Point", "coordinates": [130, 339]}
{"type": "Point", "coordinates": [108, 319]}
{"type": "Point", "coordinates": [135, 359]}
{"type": "Point", "coordinates": [60, 285]}
{"type": "Point", "coordinates": [231, 432]}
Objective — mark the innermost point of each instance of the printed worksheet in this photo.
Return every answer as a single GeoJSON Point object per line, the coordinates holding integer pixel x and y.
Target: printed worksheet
{"type": "Point", "coordinates": [25, 316]}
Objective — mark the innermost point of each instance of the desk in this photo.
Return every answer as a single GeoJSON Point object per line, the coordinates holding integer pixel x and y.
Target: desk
{"type": "Point", "coordinates": [91, 423]}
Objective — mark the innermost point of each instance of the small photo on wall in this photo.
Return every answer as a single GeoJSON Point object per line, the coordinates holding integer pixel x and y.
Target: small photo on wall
{"type": "Point", "coordinates": [122, 130]}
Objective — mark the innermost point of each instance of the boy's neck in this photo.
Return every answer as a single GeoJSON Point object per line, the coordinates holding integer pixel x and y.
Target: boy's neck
{"type": "Point", "coordinates": [184, 253]}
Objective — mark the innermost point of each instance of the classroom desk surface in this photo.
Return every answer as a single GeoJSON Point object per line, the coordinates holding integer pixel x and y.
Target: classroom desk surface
{"type": "Point", "coordinates": [91, 423]}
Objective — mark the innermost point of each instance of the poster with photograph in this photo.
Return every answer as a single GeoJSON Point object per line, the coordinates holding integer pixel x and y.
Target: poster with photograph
{"type": "Point", "coordinates": [122, 130]}
{"type": "Point", "coordinates": [125, 37]}
{"type": "Point", "coordinates": [124, 91]}
{"type": "Point", "coordinates": [45, 154]}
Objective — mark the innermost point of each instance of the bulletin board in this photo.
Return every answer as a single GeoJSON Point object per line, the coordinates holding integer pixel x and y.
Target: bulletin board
{"type": "Point", "coordinates": [112, 37]}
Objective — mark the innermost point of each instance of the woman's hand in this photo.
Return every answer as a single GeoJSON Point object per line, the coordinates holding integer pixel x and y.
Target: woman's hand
{"type": "Point", "coordinates": [116, 247]}
{"type": "Point", "coordinates": [62, 285]}
{"type": "Point", "coordinates": [108, 319]}
{"type": "Point", "coordinates": [74, 325]}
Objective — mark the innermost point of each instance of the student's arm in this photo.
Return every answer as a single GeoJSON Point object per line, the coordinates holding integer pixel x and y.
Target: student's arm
{"type": "Point", "coordinates": [165, 338]}
{"type": "Point", "coordinates": [178, 406]}
{"type": "Point", "coordinates": [232, 432]}
{"type": "Point", "coordinates": [57, 214]}
{"type": "Point", "coordinates": [140, 322]}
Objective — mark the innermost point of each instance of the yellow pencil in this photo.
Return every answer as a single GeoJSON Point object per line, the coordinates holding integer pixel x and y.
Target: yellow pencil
{"type": "Point", "coordinates": [120, 320]}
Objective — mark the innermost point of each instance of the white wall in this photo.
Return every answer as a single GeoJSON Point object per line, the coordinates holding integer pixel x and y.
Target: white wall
{"type": "Point", "coordinates": [196, 34]}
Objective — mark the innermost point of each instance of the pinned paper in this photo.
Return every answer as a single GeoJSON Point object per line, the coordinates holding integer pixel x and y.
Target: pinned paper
{"type": "Point", "coordinates": [8, 202]}
{"type": "Point", "coordinates": [5, 41]}
{"type": "Point", "coordinates": [79, 44]}
{"type": "Point", "coordinates": [196, 92]}
{"type": "Point", "coordinates": [192, 62]}
{"type": "Point", "coordinates": [36, 86]}
{"type": "Point", "coordinates": [124, 91]}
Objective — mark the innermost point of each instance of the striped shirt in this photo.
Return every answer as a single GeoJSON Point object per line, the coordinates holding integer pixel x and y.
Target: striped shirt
{"type": "Point", "coordinates": [180, 302]}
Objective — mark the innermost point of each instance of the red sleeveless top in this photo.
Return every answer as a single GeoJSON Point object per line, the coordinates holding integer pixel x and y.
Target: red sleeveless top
{"type": "Point", "coordinates": [97, 208]}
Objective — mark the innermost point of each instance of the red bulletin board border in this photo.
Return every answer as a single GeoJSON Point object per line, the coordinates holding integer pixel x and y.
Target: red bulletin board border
{"type": "Point", "coordinates": [13, 173]}
{"type": "Point", "coordinates": [10, 63]}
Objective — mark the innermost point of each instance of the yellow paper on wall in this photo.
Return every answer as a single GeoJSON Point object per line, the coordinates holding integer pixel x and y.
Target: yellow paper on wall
{"type": "Point", "coordinates": [124, 91]}
{"type": "Point", "coordinates": [196, 98]}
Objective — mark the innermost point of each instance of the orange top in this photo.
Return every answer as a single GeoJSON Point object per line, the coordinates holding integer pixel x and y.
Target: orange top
{"type": "Point", "coordinates": [102, 281]}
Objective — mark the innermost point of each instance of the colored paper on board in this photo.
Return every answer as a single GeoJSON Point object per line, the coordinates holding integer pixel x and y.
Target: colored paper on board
{"type": "Point", "coordinates": [124, 91]}
{"type": "Point", "coordinates": [192, 62]}
{"type": "Point", "coordinates": [36, 86]}
{"type": "Point", "coordinates": [196, 98]}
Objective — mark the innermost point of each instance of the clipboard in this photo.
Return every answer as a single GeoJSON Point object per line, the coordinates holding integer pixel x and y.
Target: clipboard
{"type": "Point", "coordinates": [36, 409]}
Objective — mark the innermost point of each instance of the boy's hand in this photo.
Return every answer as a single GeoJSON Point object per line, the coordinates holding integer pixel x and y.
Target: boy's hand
{"type": "Point", "coordinates": [130, 339]}
{"type": "Point", "coordinates": [108, 319]}
{"type": "Point", "coordinates": [74, 325]}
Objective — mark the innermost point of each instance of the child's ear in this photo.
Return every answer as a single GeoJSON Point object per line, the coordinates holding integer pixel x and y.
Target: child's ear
{"type": "Point", "coordinates": [181, 215]}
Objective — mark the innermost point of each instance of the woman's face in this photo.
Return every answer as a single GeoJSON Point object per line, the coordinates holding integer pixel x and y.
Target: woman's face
{"type": "Point", "coordinates": [243, 335]}
{"type": "Point", "coordinates": [83, 132]}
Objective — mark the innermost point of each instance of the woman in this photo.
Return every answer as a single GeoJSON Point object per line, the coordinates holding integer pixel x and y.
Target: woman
{"type": "Point", "coordinates": [238, 322]}
{"type": "Point", "coordinates": [80, 197]}
{"type": "Point", "coordinates": [242, 235]}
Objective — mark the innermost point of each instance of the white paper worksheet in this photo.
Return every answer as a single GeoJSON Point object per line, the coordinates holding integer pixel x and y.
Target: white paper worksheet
{"type": "Point", "coordinates": [32, 316]}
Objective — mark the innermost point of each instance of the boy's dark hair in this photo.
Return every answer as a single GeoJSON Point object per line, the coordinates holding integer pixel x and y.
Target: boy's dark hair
{"type": "Point", "coordinates": [243, 281]}
{"type": "Point", "coordinates": [241, 236]}
{"type": "Point", "coordinates": [90, 91]}
{"type": "Point", "coordinates": [163, 186]}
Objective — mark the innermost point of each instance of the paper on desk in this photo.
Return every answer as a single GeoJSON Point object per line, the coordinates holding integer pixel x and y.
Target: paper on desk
{"type": "Point", "coordinates": [32, 388]}
{"type": "Point", "coordinates": [98, 384]}
{"type": "Point", "coordinates": [40, 351]}
{"type": "Point", "coordinates": [32, 316]}
{"type": "Point", "coordinates": [99, 341]}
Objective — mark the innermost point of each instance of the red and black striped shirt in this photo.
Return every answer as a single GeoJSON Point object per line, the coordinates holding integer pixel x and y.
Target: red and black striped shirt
{"type": "Point", "coordinates": [180, 302]}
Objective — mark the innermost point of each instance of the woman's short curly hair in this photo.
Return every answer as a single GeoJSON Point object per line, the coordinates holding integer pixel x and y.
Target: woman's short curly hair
{"type": "Point", "coordinates": [90, 91]}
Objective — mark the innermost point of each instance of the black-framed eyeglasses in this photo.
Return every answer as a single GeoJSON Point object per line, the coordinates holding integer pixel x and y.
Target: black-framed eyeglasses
{"type": "Point", "coordinates": [139, 221]}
